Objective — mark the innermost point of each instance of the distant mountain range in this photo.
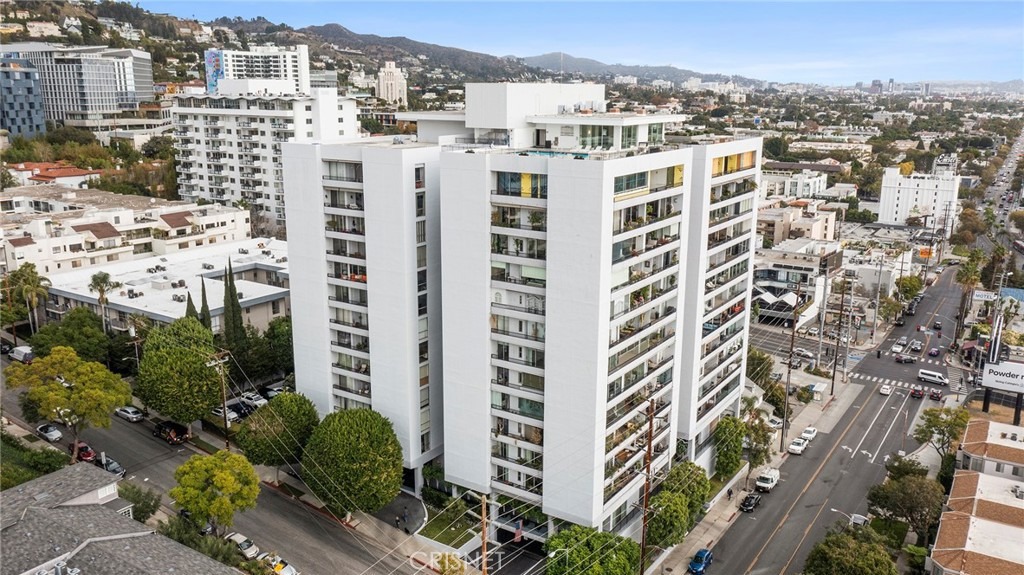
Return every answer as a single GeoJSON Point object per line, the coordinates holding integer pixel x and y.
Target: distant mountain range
{"type": "Point", "coordinates": [561, 62]}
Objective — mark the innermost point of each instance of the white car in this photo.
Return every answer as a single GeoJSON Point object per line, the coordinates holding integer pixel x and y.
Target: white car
{"type": "Point", "coordinates": [885, 390]}
{"type": "Point", "coordinates": [896, 348]}
{"type": "Point", "coordinates": [218, 412]}
{"type": "Point", "coordinates": [813, 332]}
{"type": "Point", "coordinates": [129, 413]}
{"type": "Point", "coordinates": [50, 432]}
{"type": "Point", "coordinates": [246, 547]}
{"type": "Point", "coordinates": [809, 434]}
{"type": "Point", "coordinates": [797, 446]}
{"type": "Point", "coordinates": [253, 399]}
{"type": "Point", "coordinates": [280, 566]}
{"type": "Point", "coordinates": [801, 352]}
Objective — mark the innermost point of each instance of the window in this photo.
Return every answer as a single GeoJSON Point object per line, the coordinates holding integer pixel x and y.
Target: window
{"type": "Point", "coordinates": [344, 171]}
{"type": "Point", "coordinates": [421, 204]}
{"type": "Point", "coordinates": [421, 232]}
{"type": "Point", "coordinates": [629, 136]}
{"type": "Point", "coordinates": [630, 182]}
{"type": "Point", "coordinates": [596, 136]}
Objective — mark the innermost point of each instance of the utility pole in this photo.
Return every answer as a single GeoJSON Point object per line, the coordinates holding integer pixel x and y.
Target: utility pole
{"type": "Point", "coordinates": [835, 360]}
{"type": "Point", "coordinates": [789, 372]}
{"type": "Point", "coordinates": [824, 297]}
{"type": "Point", "coordinates": [217, 362]}
{"type": "Point", "coordinates": [878, 297]}
{"type": "Point", "coordinates": [483, 534]}
{"type": "Point", "coordinates": [945, 223]}
{"type": "Point", "coordinates": [647, 482]}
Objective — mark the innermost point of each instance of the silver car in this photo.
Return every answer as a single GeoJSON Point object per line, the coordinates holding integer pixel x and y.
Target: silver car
{"type": "Point", "coordinates": [50, 432]}
{"type": "Point", "coordinates": [129, 413]}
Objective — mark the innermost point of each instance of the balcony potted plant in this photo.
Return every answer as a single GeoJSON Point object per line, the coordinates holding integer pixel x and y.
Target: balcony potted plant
{"type": "Point", "coordinates": [537, 219]}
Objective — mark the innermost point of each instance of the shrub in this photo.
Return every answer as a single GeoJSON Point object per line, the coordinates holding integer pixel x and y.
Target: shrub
{"type": "Point", "coordinates": [434, 497]}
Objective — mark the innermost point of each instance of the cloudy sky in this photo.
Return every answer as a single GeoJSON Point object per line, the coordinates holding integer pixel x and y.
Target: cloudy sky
{"type": "Point", "coordinates": [827, 42]}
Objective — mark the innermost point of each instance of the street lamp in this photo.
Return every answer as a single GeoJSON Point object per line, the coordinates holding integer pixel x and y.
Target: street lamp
{"type": "Point", "coordinates": [855, 519]}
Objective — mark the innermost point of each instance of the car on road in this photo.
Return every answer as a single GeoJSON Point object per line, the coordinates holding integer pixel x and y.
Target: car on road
{"type": "Point", "coordinates": [254, 399]}
{"type": "Point", "coordinates": [700, 562]}
{"type": "Point", "coordinates": [218, 412]}
{"type": "Point", "coordinates": [5, 348]}
{"type": "Point", "coordinates": [206, 529]}
{"type": "Point", "coordinates": [793, 362]}
{"type": "Point", "coordinates": [173, 433]}
{"type": "Point", "coordinates": [935, 394]}
{"type": "Point", "coordinates": [109, 465]}
{"type": "Point", "coordinates": [750, 502]}
{"type": "Point", "coordinates": [85, 453]}
{"type": "Point", "coordinates": [801, 352]}
{"type": "Point", "coordinates": [277, 565]}
{"type": "Point", "coordinates": [937, 325]}
{"type": "Point", "coordinates": [797, 446]}
{"type": "Point", "coordinates": [813, 332]}
{"type": "Point", "coordinates": [50, 432]}
{"type": "Point", "coordinates": [885, 390]}
{"type": "Point", "coordinates": [774, 422]}
{"type": "Point", "coordinates": [809, 433]}
{"type": "Point", "coordinates": [940, 269]}
{"type": "Point", "coordinates": [777, 376]}
{"type": "Point", "coordinates": [129, 413]}
{"type": "Point", "coordinates": [896, 348]}
{"type": "Point", "coordinates": [902, 341]}
{"type": "Point", "coordinates": [916, 391]}
{"type": "Point", "coordinates": [933, 352]}
{"type": "Point", "coordinates": [916, 345]}
{"type": "Point", "coordinates": [900, 358]}
{"type": "Point", "coordinates": [900, 322]}
{"type": "Point", "coordinates": [246, 547]}
{"type": "Point", "coordinates": [912, 310]}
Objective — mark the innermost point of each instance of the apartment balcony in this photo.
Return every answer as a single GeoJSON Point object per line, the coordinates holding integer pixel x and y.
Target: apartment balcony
{"type": "Point", "coordinates": [506, 407]}
{"type": "Point", "coordinates": [722, 215]}
{"type": "Point", "coordinates": [357, 324]}
{"type": "Point", "coordinates": [526, 336]}
{"type": "Point", "coordinates": [353, 254]}
{"type": "Point", "coordinates": [526, 387]}
{"type": "Point", "coordinates": [534, 309]}
{"type": "Point", "coordinates": [537, 194]}
{"type": "Point", "coordinates": [708, 406]}
{"type": "Point", "coordinates": [507, 278]}
{"type": "Point", "coordinates": [216, 123]}
{"type": "Point", "coordinates": [641, 271]}
{"type": "Point", "coordinates": [723, 237]}
{"type": "Point", "coordinates": [534, 463]}
{"type": "Point", "coordinates": [723, 338]}
{"type": "Point", "coordinates": [362, 346]}
{"type": "Point", "coordinates": [360, 278]}
{"type": "Point", "coordinates": [537, 362]}
{"type": "Point", "coordinates": [638, 300]}
{"type": "Point", "coordinates": [515, 224]}
{"type": "Point", "coordinates": [637, 326]}
{"type": "Point", "coordinates": [354, 206]}
{"type": "Point", "coordinates": [635, 224]}
{"type": "Point", "coordinates": [634, 428]}
{"type": "Point", "coordinates": [243, 124]}
{"type": "Point", "coordinates": [363, 389]}
{"type": "Point", "coordinates": [732, 190]}
{"type": "Point", "coordinates": [723, 279]}
{"type": "Point", "coordinates": [631, 459]}
{"type": "Point", "coordinates": [621, 359]}
{"type": "Point", "coordinates": [519, 491]}
{"type": "Point", "coordinates": [282, 126]}
{"type": "Point", "coordinates": [535, 254]}
{"type": "Point", "coordinates": [342, 228]}
{"type": "Point", "coordinates": [533, 435]}
{"type": "Point", "coordinates": [615, 415]}
{"type": "Point", "coordinates": [734, 253]}
{"type": "Point", "coordinates": [283, 138]}
{"type": "Point", "coordinates": [723, 318]}
{"type": "Point", "coordinates": [724, 357]}
{"type": "Point", "coordinates": [357, 301]}
{"type": "Point", "coordinates": [362, 368]}
{"type": "Point", "coordinates": [654, 245]}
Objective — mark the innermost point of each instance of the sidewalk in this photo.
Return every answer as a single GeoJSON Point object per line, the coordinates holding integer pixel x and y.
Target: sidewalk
{"type": "Point", "coordinates": [823, 415]}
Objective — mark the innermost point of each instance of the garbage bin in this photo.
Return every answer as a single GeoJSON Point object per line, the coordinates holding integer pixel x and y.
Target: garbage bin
{"type": "Point", "coordinates": [879, 354]}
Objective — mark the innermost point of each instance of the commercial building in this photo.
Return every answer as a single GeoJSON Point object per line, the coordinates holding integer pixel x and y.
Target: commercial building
{"type": "Point", "coordinates": [391, 85]}
{"type": "Point", "coordinates": [59, 228]}
{"type": "Point", "coordinates": [287, 63]}
{"type": "Point", "coordinates": [862, 151]}
{"type": "Point", "coordinates": [229, 144]}
{"type": "Point", "coordinates": [932, 198]}
{"type": "Point", "coordinates": [364, 229]}
{"type": "Point", "coordinates": [794, 274]}
{"type": "Point", "coordinates": [799, 219]}
{"type": "Point", "coordinates": [158, 288]}
{"type": "Point", "coordinates": [21, 105]}
{"type": "Point", "coordinates": [802, 184]}
{"type": "Point", "coordinates": [323, 79]}
{"type": "Point", "coordinates": [92, 84]}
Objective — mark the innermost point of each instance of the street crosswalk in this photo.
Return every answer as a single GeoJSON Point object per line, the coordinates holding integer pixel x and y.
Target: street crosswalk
{"type": "Point", "coordinates": [954, 378]}
{"type": "Point", "coordinates": [921, 360]}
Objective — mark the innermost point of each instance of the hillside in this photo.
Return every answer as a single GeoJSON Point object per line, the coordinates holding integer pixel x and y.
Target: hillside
{"type": "Point", "coordinates": [559, 61]}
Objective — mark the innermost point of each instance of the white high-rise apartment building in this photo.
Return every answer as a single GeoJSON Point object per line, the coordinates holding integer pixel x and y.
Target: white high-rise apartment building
{"type": "Point", "coordinates": [391, 85]}
{"type": "Point", "coordinates": [591, 272]}
{"type": "Point", "coordinates": [931, 197]}
{"type": "Point", "coordinates": [290, 63]}
{"type": "Point", "coordinates": [229, 144]}
{"type": "Point", "coordinates": [364, 250]}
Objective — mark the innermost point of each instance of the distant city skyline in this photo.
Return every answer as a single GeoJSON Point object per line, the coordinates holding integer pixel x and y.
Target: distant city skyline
{"type": "Point", "coordinates": [837, 43]}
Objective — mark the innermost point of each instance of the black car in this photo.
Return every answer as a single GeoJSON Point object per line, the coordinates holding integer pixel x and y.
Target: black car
{"type": "Point", "coordinates": [5, 348]}
{"type": "Point", "coordinates": [900, 358]}
{"type": "Point", "coordinates": [901, 322]}
{"type": "Point", "coordinates": [205, 529]}
{"type": "Point", "coordinates": [937, 325]}
{"type": "Point", "coordinates": [912, 310]}
{"type": "Point", "coordinates": [750, 502]}
{"type": "Point", "coordinates": [173, 433]}
{"type": "Point", "coordinates": [917, 392]}
{"type": "Point", "coordinates": [110, 465]}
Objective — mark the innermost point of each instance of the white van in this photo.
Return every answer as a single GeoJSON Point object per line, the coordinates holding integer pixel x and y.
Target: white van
{"type": "Point", "coordinates": [932, 377]}
{"type": "Point", "coordinates": [22, 353]}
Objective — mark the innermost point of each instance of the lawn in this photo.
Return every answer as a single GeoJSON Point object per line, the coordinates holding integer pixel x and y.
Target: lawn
{"type": "Point", "coordinates": [440, 528]}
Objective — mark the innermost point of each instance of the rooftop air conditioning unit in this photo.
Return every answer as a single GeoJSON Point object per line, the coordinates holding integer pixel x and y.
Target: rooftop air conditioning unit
{"type": "Point", "coordinates": [243, 251]}
{"type": "Point", "coordinates": [207, 266]}
{"type": "Point", "coordinates": [240, 295]}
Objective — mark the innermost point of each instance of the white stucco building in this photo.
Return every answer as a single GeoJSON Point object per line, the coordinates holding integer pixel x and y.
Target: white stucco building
{"type": "Point", "coordinates": [931, 197]}
{"type": "Point", "coordinates": [391, 85]}
{"type": "Point", "coordinates": [802, 184]}
{"type": "Point", "coordinates": [287, 63]}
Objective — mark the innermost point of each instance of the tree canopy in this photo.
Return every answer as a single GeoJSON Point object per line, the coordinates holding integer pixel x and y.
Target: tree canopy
{"type": "Point", "coordinates": [585, 551]}
{"type": "Point", "coordinates": [842, 553]}
{"type": "Point", "coordinates": [915, 499]}
{"type": "Point", "coordinates": [80, 330]}
{"type": "Point", "coordinates": [668, 519]}
{"type": "Point", "coordinates": [728, 445]}
{"type": "Point", "coordinates": [213, 487]}
{"type": "Point", "coordinates": [278, 432]}
{"type": "Point", "coordinates": [689, 479]}
{"type": "Point", "coordinates": [941, 427]}
{"type": "Point", "coordinates": [174, 376]}
{"type": "Point", "coordinates": [353, 461]}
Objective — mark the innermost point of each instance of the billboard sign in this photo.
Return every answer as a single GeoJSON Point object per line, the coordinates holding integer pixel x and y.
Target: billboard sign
{"type": "Point", "coordinates": [1006, 376]}
{"type": "Point", "coordinates": [980, 295]}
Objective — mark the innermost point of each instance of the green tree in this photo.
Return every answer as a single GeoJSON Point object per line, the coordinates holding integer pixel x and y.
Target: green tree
{"type": "Point", "coordinates": [759, 367]}
{"type": "Point", "coordinates": [190, 308]}
{"type": "Point", "coordinates": [144, 502]}
{"type": "Point", "coordinates": [1017, 219]}
{"type": "Point", "coordinates": [233, 325]}
{"type": "Point", "coordinates": [86, 398]}
{"type": "Point", "coordinates": [776, 147]}
{"type": "Point", "coordinates": [668, 520]}
{"type": "Point", "coordinates": [353, 461]}
{"type": "Point", "coordinates": [915, 499]}
{"type": "Point", "coordinates": [840, 553]}
{"type": "Point", "coordinates": [159, 147]}
{"type": "Point", "coordinates": [909, 286]}
{"type": "Point", "coordinates": [585, 551]}
{"type": "Point", "coordinates": [450, 564]}
{"type": "Point", "coordinates": [7, 180]}
{"type": "Point", "coordinates": [254, 359]}
{"type": "Point", "coordinates": [279, 336]}
{"type": "Point", "coordinates": [185, 532]}
{"type": "Point", "coordinates": [941, 427]}
{"type": "Point", "coordinates": [889, 308]}
{"type": "Point", "coordinates": [204, 312]}
{"type": "Point", "coordinates": [900, 467]}
{"type": "Point", "coordinates": [277, 433]}
{"type": "Point", "coordinates": [80, 330]}
{"type": "Point", "coordinates": [31, 288]}
{"type": "Point", "coordinates": [758, 435]}
{"type": "Point", "coordinates": [214, 487]}
{"type": "Point", "coordinates": [728, 445]}
{"type": "Point", "coordinates": [102, 284]}
{"type": "Point", "coordinates": [175, 377]}
{"type": "Point", "coordinates": [689, 479]}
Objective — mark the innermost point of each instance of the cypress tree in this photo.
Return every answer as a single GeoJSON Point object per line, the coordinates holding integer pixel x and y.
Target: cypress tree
{"type": "Point", "coordinates": [234, 327]}
{"type": "Point", "coordinates": [190, 308]}
{"type": "Point", "coordinates": [204, 311]}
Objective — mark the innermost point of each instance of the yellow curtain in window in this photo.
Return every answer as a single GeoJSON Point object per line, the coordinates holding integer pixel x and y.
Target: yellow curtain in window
{"type": "Point", "coordinates": [525, 188]}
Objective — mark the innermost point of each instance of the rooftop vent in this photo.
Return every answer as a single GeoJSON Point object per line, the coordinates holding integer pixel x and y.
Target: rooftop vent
{"type": "Point", "coordinates": [207, 266]}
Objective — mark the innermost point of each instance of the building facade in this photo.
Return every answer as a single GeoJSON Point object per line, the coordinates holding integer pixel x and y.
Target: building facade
{"type": "Point", "coordinates": [229, 146]}
{"type": "Point", "coordinates": [289, 63]}
{"type": "Point", "coordinates": [802, 184]}
{"type": "Point", "coordinates": [391, 85]}
{"type": "Point", "coordinates": [930, 197]}
{"type": "Point", "coordinates": [364, 230]}
{"type": "Point", "coordinates": [21, 105]}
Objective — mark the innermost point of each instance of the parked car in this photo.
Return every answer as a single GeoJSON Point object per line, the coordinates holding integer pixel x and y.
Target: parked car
{"type": "Point", "coordinates": [777, 376]}
{"type": "Point", "coordinates": [809, 434]}
{"type": "Point", "coordinates": [129, 413]}
{"type": "Point", "coordinates": [5, 348]}
{"type": "Point", "coordinates": [206, 529]}
{"type": "Point", "coordinates": [254, 399]}
{"type": "Point", "coordinates": [767, 480]}
{"type": "Point", "coordinates": [278, 565]}
{"type": "Point", "coordinates": [933, 352]}
{"type": "Point", "coordinates": [885, 390]}
{"type": "Point", "coordinates": [246, 547]}
{"type": "Point", "coordinates": [774, 422]}
{"type": "Point", "coordinates": [916, 391]}
{"type": "Point", "coordinates": [801, 352]}
{"type": "Point", "coordinates": [50, 432]}
{"type": "Point", "coordinates": [797, 446]}
{"type": "Point", "coordinates": [700, 562]}
{"type": "Point", "coordinates": [173, 433]}
{"type": "Point", "coordinates": [935, 394]}
{"type": "Point", "coordinates": [902, 341]}
{"type": "Point", "coordinates": [813, 332]}
{"type": "Point", "coordinates": [900, 322]}
{"type": "Point", "coordinates": [85, 453]}
{"type": "Point", "coordinates": [21, 353]}
{"type": "Point", "coordinates": [900, 358]}
{"type": "Point", "coordinates": [218, 412]}
{"type": "Point", "coordinates": [750, 502]}
{"type": "Point", "coordinates": [110, 465]}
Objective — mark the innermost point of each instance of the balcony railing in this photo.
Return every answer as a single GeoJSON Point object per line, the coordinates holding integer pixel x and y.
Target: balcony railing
{"type": "Point", "coordinates": [712, 266]}
{"type": "Point", "coordinates": [517, 334]}
{"type": "Point", "coordinates": [524, 386]}
{"type": "Point", "coordinates": [359, 390]}
{"type": "Point", "coordinates": [641, 222]}
{"type": "Point", "coordinates": [532, 254]}
{"type": "Point", "coordinates": [658, 243]}
{"type": "Point", "coordinates": [362, 368]}
{"type": "Point", "coordinates": [347, 323]}
{"type": "Point", "coordinates": [504, 277]}
{"type": "Point", "coordinates": [347, 254]}
{"type": "Point", "coordinates": [537, 362]}
{"type": "Point", "coordinates": [536, 437]}
{"type": "Point", "coordinates": [363, 346]}
{"type": "Point", "coordinates": [715, 220]}
{"type": "Point", "coordinates": [506, 407]}
{"type": "Point", "coordinates": [528, 309]}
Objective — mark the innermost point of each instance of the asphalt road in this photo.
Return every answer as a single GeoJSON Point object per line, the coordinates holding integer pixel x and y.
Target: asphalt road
{"type": "Point", "coordinates": [311, 542]}
{"type": "Point", "coordinates": [840, 465]}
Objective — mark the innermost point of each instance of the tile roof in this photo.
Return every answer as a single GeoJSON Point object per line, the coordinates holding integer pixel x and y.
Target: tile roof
{"type": "Point", "coordinates": [102, 230]}
{"type": "Point", "coordinates": [177, 219]}
{"type": "Point", "coordinates": [49, 171]}
{"type": "Point", "coordinates": [21, 242]}
{"type": "Point", "coordinates": [52, 490]}
{"type": "Point", "coordinates": [978, 443]}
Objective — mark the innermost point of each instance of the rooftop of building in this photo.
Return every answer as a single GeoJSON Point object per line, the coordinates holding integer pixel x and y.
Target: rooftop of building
{"type": "Point", "coordinates": [988, 496]}
{"type": "Point", "coordinates": [994, 440]}
{"type": "Point", "coordinates": [86, 197]}
{"type": "Point", "coordinates": [806, 246]}
{"type": "Point", "coordinates": [800, 166]}
{"type": "Point", "coordinates": [159, 285]}
{"type": "Point", "coordinates": [52, 489]}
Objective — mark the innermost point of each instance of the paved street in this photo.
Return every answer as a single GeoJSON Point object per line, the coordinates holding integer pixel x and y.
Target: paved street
{"type": "Point", "coordinates": [849, 454]}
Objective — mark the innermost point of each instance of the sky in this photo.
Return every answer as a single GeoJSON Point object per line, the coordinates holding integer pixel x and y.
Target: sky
{"type": "Point", "coordinates": [826, 42]}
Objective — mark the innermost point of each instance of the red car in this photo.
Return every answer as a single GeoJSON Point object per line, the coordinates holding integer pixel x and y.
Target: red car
{"type": "Point", "coordinates": [935, 394]}
{"type": "Point", "coordinates": [917, 392]}
{"type": "Point", "coordinates": [85, 453]}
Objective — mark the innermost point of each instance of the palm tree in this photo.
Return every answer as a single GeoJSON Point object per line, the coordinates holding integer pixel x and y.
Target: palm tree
{"type": "Point", "coordinates": [102, 284]}
{"type": "Point", "coordinates": [967, 276]}
{"type": "Point", "coordinates": [33, 288]}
